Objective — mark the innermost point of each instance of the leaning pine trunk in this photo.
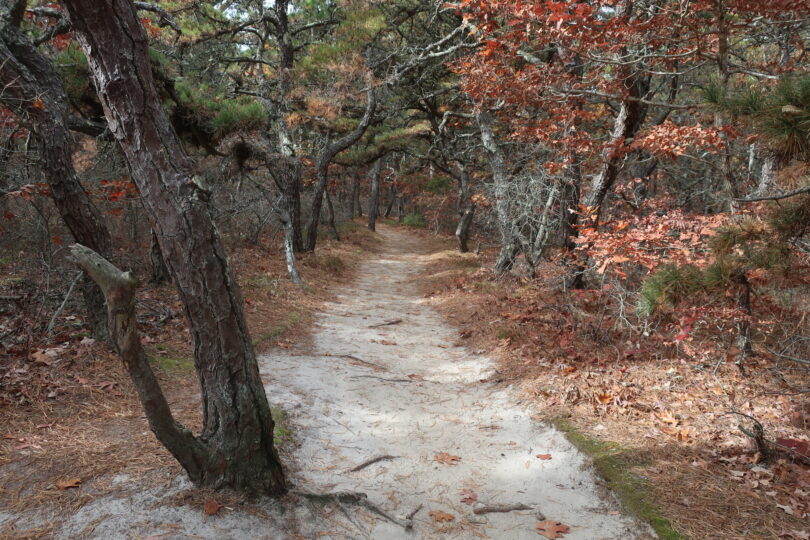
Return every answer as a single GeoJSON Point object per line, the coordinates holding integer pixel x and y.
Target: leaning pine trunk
{"type": "Point", "coordinates": [237, 433]}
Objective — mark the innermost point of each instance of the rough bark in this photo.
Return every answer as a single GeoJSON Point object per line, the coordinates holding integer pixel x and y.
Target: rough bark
{"type": "Point", "coordinates": [33, 90]}
{"type": "Point", "coordinates": [466, 211]}
{"type": "Point", "coordinates": [160, 274]}
{"type": "Point", "coordinates": [374, 199]}
{"type": "Point", "coordinates": [325, 156]}
{"type": "Point", "coordinates": [237, 425]}
{"type": "Point", "coordinates": [331, 216]}
{"type": "Point", "coordinates": [509, 244]}
{"type": "Point", "coordinates": [119, 290]}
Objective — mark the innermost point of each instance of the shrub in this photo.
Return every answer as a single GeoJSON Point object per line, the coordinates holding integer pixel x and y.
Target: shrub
{"type": "Point", "coordinates": [414, 220]}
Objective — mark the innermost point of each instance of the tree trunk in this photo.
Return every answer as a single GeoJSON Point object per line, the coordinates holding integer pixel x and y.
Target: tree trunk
{"type": "Point", "coordinates": [237, 426]}
{"type": "Point", "coordinates": [463, 229]}
{"type": "Point", "coordinates": [391, 200]}
{"type": "Point", "coordinates": [160, 274]}
{"type": "Point", "coordinates": [509, 244]}
{"type": "Point", "coordinates": [373, 201]}
{"type": "Point", "coordinates": [627, 123]}
{"type": "Point", "coordinates": [289, 250]}
{"type": "Point", "coordinates": [331, 216]}
{"type": "Point", "coordinates": [32, 89]}
{"type": "Point", "coordinates": [466, 210]}
{"type": "Point", "coordinates": [325, 156]}
{"type": "Point", "coordinates": [771, 164]}
{"type": "Point", "coordinates": [119, 290]}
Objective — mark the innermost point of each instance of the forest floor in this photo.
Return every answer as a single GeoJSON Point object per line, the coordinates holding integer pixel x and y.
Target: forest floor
{"type": "Point", "coordinates": [383, 398]}
{"type": "Point", "coordinates": [659, 412]}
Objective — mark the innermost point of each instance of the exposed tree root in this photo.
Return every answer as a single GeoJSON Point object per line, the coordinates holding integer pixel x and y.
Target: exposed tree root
{"type": "Point", "coordinates": [356, 498]}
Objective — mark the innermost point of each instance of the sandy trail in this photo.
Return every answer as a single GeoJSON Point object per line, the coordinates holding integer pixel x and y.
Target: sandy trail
{"type": "Point", "coordinates": [362, 391]}
{"type": "Point", "coordinates": [405, 390]}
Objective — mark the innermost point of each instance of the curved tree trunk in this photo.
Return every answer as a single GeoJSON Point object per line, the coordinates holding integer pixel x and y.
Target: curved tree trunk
{"type": "Point", "coordinates": [33, 90]}
{"type": "Point", "coordinates": [237, 434]}
{"type": "Point", "coordinates": [325, 156]}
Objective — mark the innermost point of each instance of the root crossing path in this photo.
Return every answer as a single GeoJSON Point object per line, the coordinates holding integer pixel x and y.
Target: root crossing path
{"type": "Point", "coordinates": [386, 404]}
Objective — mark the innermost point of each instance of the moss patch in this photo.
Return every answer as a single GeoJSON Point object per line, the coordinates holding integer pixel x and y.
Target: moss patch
{"type": "Point", "coordinates": [170, 363]}
{"type": "Point", "coordinates": [281, 430]}
{"type": "Point", "coordinates": [616, 464]}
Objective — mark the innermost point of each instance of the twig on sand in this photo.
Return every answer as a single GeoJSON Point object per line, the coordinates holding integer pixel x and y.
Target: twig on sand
{"type": "Point", "coordinates": [386, 323]}
{"type": "Point", "coordinates": [410, 516]}
{"type": "Point", "coordinates": [372, 461]}
{"type": "Point", "coordinates": [380, 378]}
{"type": "Point", "coordinates": [357, 499]}
{"type": "Point", "coordinates": [364, 362]}
{"type": "Point", "coordinates": [491, 508]}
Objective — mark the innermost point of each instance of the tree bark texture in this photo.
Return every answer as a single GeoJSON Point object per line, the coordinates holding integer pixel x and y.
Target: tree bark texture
{"type": "Point", "coordinates": [160, 274]}
{"type": "Point", "coordinates": [325, 156]}
{"type": "Point", "coordinates": [509, 245]}
{"type": "Point", "coordinates": [466, 211]}
{"type": "Point", "coordinates": [237, 426]}
{"type": "Point", "coordinates": [119, 290]}
{"type": "Point", "coordinates": [33, 91]}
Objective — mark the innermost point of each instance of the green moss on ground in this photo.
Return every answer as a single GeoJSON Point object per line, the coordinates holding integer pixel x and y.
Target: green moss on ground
{"type": "Point", "coordinates": [281, 430]}
{"type": "Point", "coordinates": [616, 465]}
{"type": "Point", "coordinates": [171, 363]}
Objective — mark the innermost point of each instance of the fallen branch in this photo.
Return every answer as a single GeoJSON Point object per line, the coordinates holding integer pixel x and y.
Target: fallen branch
{"type": "Point", "coordinates": [492, 508]}
{"type": "Point", "coordinates": [386, 323]}
{"type": "Point", "coordinates": [364, 362]}
{"type": "Point", "coordinates": [56, 313]}
{"type": "Point", "coordinates": [372, 461]}
{"type": "Point", "coordinates": [410, 516]}
{"type": "Point", "coordinates": [357, 499]}
{"type": "Point", "coordinates": [382, 378]}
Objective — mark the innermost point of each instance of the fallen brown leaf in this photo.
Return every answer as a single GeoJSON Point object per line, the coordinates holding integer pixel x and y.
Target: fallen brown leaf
{"type": "Point", "coordinates": [543, 456]}
{"type": "Point", "coordinates": [67, 483]}
{"type": "Point", "coordinates": [446, 459]}
{"type": "Point", "coordinates": [211, 507]}
{"type": "Point", "coordinates": [440, 516]}
{"type": "Point", "coordinates": [552, 529]}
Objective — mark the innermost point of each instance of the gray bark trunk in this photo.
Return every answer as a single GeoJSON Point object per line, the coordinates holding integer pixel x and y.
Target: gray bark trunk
{"type": "Point", "coordinates": [509, 245]}
{"type": "Point", "coordinates": [237, 429]}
